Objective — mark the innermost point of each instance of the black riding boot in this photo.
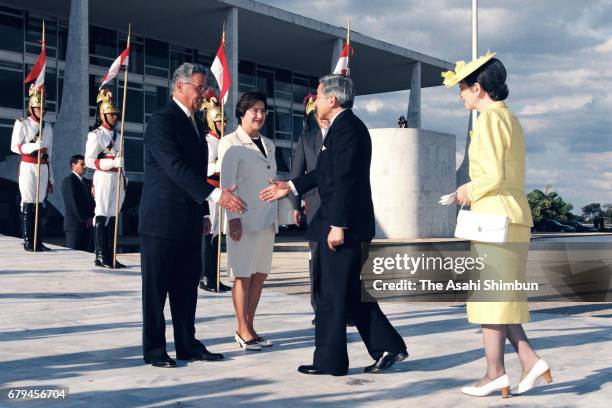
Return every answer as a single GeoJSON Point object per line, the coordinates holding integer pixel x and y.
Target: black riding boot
{"type": "Point", "coordinates": [111, 242]}
{"type": "Point", "coordinates": [27, 226]}
{"type": "Point", "coordinates": [42, 229]}
{"type": "Point", "coordinates": [208, 279]}
{"type": "Point", "coordinates": [101, 241]}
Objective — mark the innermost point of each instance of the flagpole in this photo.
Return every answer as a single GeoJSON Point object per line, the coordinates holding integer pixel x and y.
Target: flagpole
{"type": "Point", "coordinates": [219, 209]}
{"type": "Point", "coordinates": [120, 153]}
{"type": "Point", "coordinates": [474, 48]}
{"type": "Point", "coordinates": [348, 43]}
{"type": "Point", "coordinates": [40, 138]}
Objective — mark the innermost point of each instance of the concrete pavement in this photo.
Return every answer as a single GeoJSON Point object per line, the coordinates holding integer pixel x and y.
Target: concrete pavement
{"type": "Point", "coordinates": [65, 323]}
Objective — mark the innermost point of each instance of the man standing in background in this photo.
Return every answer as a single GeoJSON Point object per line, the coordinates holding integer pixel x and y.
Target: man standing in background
{"type": "Point", "coordinates": [304, 161]}
{"type": "Point", "coordinates": [79, 205]}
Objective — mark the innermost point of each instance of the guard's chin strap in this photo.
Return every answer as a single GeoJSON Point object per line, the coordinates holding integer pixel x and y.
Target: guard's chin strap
{"type": "Point", "coordinates": [108, 125]}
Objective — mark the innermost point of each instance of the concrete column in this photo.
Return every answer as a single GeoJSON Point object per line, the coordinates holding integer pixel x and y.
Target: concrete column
{"type": "Point", "coordinates": [231, 53]}
{"type": "Point", "coordinates": [462, 173]}
{"type": "Point", "coordinates": [338, 45]}
{"type": "Point", "coordinates": [410, 170]}
{"type": "Point", "coordinates": [71, 128]}
{"type": "Point", "coordinates": [414, 104]}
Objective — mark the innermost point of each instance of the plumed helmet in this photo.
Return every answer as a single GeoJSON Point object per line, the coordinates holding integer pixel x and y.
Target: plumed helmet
{"type": "Point", "coordinates": [35, 99]}
{"type": "Point", "coordinates": [309, 103]}
{"type": "Point", "coordinates": [309, 112]}
{"type": "Point", "coordinates": [105, 105]}
{"type": "Point", "coordinates": [213, 110]}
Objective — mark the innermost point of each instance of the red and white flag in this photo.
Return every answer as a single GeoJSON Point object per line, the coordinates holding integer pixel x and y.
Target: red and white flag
{"type": "Point", "coordinates": [38, 70]}
{"type": "Point", "coordinates": [342, 66]}
{"type": "Point", "coordinates": [122, 60]}
{"type": "Point", "coordinates": [220, 70]}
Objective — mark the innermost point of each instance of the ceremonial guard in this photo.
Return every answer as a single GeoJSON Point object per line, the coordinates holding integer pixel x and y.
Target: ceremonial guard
{"type": "Point", "coordinates": [101, 155]}
{"type": "Point", "coordinates": [27, 141]}
{"type": "Point", "coordinates": [211, 110]}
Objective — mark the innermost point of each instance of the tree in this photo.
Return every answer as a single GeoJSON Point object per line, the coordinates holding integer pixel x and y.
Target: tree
{"type": "Point", "coordinates": [592, 210]}
{"type": "Point", "coordinates": [545, 205]}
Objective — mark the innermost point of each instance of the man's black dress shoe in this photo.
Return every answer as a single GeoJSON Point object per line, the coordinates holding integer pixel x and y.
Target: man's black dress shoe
{"type": "Point", "coordinates": [163, 361]}
{"type": "Point", "coordinates": [310, 369]}
{"type": "Point", "coordinates": [200, 354]}
{"type": "Point", "coordinates": [386, 361]}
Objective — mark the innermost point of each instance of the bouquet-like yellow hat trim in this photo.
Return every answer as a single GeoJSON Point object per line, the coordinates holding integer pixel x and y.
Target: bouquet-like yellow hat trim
{"type": "Point", "coordinates": [462, 70]}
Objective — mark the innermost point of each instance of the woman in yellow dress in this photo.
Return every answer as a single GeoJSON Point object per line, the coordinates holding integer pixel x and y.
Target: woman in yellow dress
{"type": "Point", "coordinates": [497, 174]}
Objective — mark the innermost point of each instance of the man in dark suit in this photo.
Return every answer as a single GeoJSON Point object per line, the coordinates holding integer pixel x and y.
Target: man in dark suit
{"type": "Point", "coordinates": [343, 227]}
{"type": "Point", "coordinates": [172, 220]}
{"type": "Point", "coordinates": [79, 205]}
{"type": "Point", "coordinates": [304, 161]}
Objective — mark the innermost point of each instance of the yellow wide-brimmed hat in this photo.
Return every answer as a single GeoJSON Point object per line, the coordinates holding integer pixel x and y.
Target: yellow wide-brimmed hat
{"type": "Point", "coordinates": [463, 70]}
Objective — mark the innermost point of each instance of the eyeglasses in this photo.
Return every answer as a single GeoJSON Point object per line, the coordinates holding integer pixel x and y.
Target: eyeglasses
{"type": "Point", "coordinates": [200, 88]}
{"type": "Point", "coordinates": [255, 111]}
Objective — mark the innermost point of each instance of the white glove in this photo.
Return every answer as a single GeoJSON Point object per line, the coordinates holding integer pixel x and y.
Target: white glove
{"type": "Point", "coordinates": [118, 162]}
{"type": "Point", "coordinates": [448, 199]}
{"type": "Point", "coordinates": [28, 148]}
{"type": "Point", "coordinates": [106, 164]}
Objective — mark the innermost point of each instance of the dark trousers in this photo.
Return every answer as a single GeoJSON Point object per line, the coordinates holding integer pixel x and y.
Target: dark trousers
{"type": "Point", "coordinates": [169, 268]}
{"type": "Point", "coordinates": [209, 259]}
{"type": "Point", "coordinates": [314, 272]}
{"type": "Point", "coordinates": [339, 295]}
{"type": "Point", "coordinates": [80, 239]}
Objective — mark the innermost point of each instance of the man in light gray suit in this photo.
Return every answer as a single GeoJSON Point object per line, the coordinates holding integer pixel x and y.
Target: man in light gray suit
{"type": "Point", "coordinates": [305, 160]}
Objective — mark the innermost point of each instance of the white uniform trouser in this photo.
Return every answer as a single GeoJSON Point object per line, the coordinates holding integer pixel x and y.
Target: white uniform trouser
{"type": "Point", "coordinates": [27, 182]}
{"type": "Point", "coordinates": [105, 193]}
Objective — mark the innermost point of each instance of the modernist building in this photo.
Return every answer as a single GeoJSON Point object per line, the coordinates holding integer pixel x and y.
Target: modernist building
{"type": "Point", "coordinates": [268, 49]}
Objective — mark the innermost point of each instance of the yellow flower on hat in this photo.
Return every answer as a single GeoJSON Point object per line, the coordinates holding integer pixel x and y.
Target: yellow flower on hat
{"type": "Point", "coordinates": [463, 70]}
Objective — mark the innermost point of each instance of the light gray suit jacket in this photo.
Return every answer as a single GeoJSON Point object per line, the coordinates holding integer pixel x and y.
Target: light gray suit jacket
{"type": "Point", "coordinates": [244, 166]}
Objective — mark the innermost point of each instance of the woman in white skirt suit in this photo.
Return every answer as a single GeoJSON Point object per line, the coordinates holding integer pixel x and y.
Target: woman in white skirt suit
{"type": "Point", "coordinates": [248, 163]}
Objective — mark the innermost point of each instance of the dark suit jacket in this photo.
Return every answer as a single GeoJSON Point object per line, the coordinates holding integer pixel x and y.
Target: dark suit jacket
{"type": "Point", "coordinates": [304, 161]}
{"type": "Point", "coordinates": [342, 176]}
{"type": "Point", "coordinates": [175, 188]}
{"type": "Point", "coordinates": [78, 202]}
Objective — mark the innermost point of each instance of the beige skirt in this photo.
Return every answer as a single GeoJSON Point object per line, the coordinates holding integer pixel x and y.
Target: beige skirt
{"type": "Point", "coordinates": [512, 262]}
{"type": "Point", "coordinates": [253, 253]}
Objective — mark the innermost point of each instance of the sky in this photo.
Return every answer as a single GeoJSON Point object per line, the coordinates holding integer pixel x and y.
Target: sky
{"type": "Point", "coordinates": [559, 60]}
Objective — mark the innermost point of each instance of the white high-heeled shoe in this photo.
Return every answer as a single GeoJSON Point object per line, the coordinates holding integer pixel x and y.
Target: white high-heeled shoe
{"type": "Point", "coordinates": [539, 369]}
{"type": "Point", "coordinates": [264, 342]}
{"type": "Point", "coordinates": [247, 345]}
{"type": "Point", "coordinates": [501, 383]}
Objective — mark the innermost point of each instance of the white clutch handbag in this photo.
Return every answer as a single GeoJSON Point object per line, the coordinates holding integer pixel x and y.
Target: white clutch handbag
{"type": "Point", "coordinates": [476, 226]}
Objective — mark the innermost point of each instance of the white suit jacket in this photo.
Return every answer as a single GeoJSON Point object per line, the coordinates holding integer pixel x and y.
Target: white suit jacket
{"type": "Point", "coordinates": [243, 165]}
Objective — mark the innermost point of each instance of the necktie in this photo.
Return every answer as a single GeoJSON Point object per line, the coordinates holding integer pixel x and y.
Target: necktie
{"type": "Point", "coordinates": [195, 126]}
{"type": "Point", "coordinates": [85, 189]}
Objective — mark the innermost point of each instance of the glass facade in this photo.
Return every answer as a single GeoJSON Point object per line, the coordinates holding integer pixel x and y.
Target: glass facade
{"type": "Point", "coordinates": [151, 65]}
